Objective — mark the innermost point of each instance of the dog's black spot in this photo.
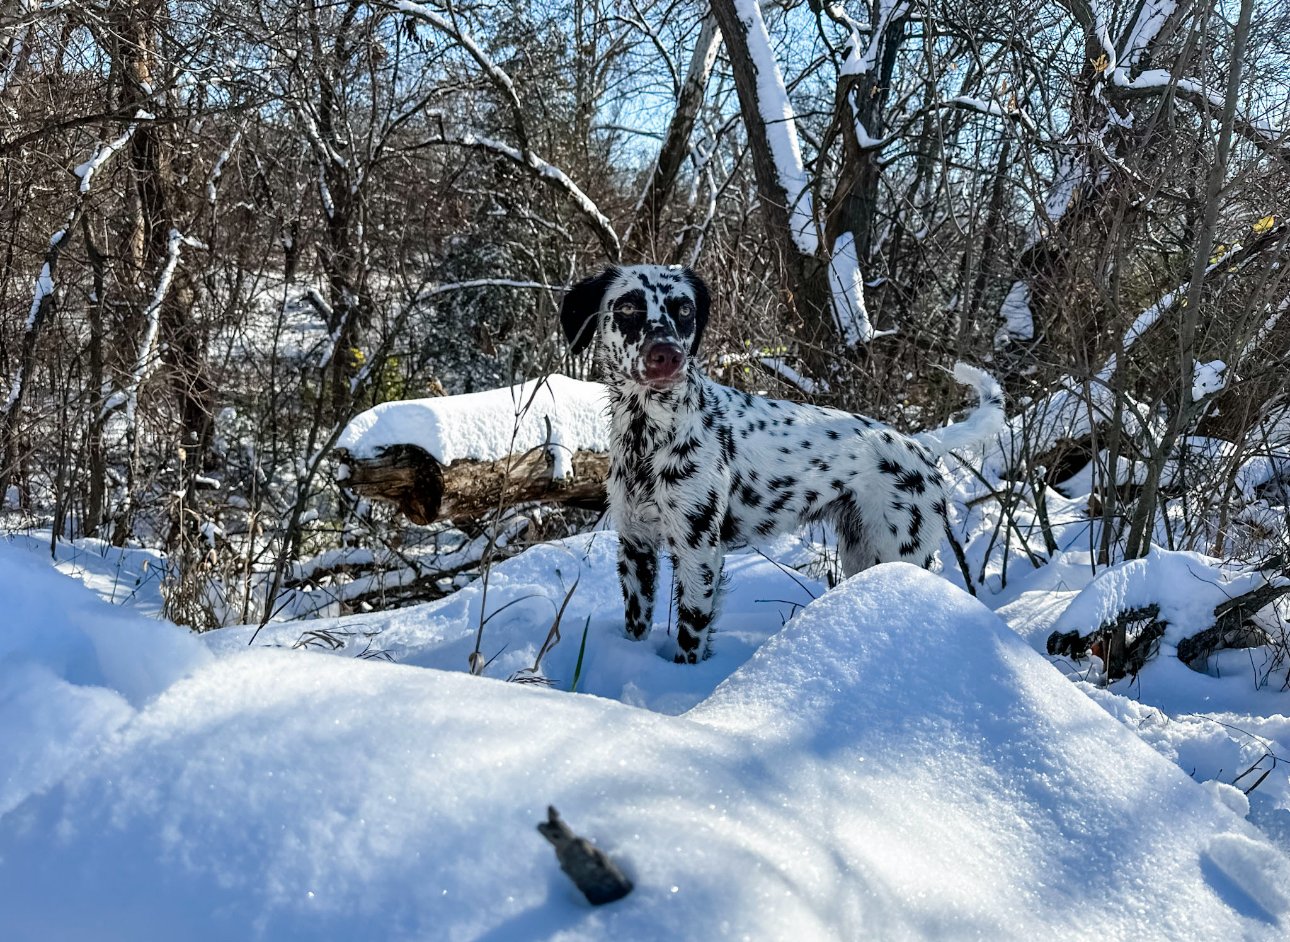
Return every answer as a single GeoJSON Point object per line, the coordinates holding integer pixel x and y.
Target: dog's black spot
{"type": "Point", "coordinates": [911, 481]}
{"type": "Point", "coordinates": [702, 519]}
{"type": "Point", "coordinates": [727, 443]}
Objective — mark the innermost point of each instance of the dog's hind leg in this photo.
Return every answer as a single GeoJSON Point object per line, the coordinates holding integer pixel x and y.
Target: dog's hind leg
{"type": "Point", "coordinates": [855, 551]}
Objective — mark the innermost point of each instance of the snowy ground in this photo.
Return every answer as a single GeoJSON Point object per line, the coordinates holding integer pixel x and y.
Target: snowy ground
{"type": "Point", "coordinates": [887, 759]}
{"type": "Point", "coordinates": [895, 763]}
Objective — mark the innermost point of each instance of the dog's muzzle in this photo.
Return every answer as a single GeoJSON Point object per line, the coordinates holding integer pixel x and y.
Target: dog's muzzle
{"type": "Point", "coordinates": [664, 363]}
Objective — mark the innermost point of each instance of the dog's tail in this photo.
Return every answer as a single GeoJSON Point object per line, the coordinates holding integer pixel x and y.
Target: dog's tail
{"type": "Point", "coordinates": [983, 423]}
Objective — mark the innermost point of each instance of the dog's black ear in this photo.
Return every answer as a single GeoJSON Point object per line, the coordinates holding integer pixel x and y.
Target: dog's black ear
{"type": "Point", "coordinates": [702, 301]}
{"type": "Point", "coordinates": [582, 305]}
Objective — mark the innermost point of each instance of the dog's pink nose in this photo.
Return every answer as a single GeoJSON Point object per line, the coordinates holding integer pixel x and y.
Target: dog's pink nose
{"type": "Point", "coordinates": [663, 361]}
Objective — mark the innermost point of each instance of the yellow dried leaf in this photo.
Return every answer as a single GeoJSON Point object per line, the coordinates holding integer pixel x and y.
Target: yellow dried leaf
{"type": "Point", "coordinates": [1100, 63]}
{"type": "Point", "coordinates": [1264, 224]}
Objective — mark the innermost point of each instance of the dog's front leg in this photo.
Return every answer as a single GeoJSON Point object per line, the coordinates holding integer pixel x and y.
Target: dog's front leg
{"type": "Point", "coordinates": [638, 574]}
{"type": "Point", "coordinates": [698, 577]}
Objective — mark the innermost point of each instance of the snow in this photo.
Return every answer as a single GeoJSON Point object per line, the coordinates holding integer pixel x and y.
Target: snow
{"type": "Point", "coordinates": [127, 577]}
{"type": "Point", "coordinates": [780, 124]}
{"type": "Point", "coordinates": [1157, 579]}
{"type": "Point", "coordinates": [1207, 379]}
{"type": "Point", "coordinates": [73, 670]}
{"type": "Point", "coordinates": [565, 414]}
{"type": "Point", "coordinates": [1018, 320]}
{"type": "Point", "coordinates": [105, 151]}
{"type": "Point", "coordinates": [894, 763]}
{"type": "Point", "coordinates": [846, 283]}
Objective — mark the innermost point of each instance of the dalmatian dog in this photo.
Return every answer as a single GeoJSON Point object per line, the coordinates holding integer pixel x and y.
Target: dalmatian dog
{"type": "Point", "coordinates": [696, 466]}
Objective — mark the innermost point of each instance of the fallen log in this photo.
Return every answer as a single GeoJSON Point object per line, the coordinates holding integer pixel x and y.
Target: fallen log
{"type": "Point", "coordinates": [1233, 626]}
{"type": "Point", "coordinates": [425, 490]}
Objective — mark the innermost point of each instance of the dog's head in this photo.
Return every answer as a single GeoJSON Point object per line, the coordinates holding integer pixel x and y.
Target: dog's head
{"type": "Point", "coordinates": [647, 320]}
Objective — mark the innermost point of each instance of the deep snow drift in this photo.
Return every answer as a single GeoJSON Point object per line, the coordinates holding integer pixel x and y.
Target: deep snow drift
{"type": "Point", "coordinates": [895, 763]}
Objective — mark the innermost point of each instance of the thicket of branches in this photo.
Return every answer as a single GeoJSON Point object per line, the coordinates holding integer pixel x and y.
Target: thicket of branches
{"type": "Point", "coordinates": [225, 228]}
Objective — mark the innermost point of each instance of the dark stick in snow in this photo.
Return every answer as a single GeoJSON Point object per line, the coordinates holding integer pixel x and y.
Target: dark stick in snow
{"type": "Point", "coordinates": [587, 865]}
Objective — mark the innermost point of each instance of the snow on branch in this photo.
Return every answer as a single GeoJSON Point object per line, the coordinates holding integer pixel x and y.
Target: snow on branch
{"type": "Point", "coordinates": [1152, 16]}
{"type": "Point", "coordinates": [1117, 75]}
{"type": "Point", "coordinates": [496, 73]}
{"type": "Point", "coordinates": [146, 358]}
{"type": "Point", "coordinates": [523, 154]}
{"type": "Point", "coordinates": [323, 150]}
{"type": "Point", "coordinates": [863, 57]}
{"type": "Point", "coordinates": [43, 291]}
{"type": "Point", "coordinates": [777, 367]}
{"type": "Point", "coordinates": [781, 128]}
{"type": "Point", "coordinates": [489, 283]}
{"type": "Point", "coordinates": [217, 171]}
{"type": "Point", "coordinates": [992, 108]}
{"type": "Point", "coordinates": [846, 286]}
{"type": "Point", "coordinates": [554, 176]}
{"type": "Point", "coordinates": [1260, 133]}
{"type": "Point", "coordinates": [105, 151]}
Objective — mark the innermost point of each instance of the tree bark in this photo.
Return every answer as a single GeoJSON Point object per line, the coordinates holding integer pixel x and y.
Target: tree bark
{"type": "Point", "coordinates": [807, 287]}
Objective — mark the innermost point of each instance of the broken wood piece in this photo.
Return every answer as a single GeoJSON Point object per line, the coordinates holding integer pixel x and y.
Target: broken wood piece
{"type": "Point", "coordinates": [1233, 626]}
{"type": "Point", "coordinates": [1123, 652]}
{"type": "Point", "coordinates": [589, 867]}
{"type": "Point", "coordinates": [425, 490]}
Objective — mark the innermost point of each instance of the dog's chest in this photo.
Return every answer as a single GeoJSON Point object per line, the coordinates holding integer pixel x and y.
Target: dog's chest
{"type": "Point", "coordinates": [658, 454]}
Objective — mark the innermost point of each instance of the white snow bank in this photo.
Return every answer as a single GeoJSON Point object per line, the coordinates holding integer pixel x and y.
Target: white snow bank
{"type": "Point", "coordinates": [522, 598]}
{"type": "Point", "coordinates": [1186, 586]}
{"type": "Point", "coordinates": [128, 576]}
{"type": "Point", "coordinates": [895, 764]}
{"type": "Point", "coordinates": [1239, 687]}
{"type": "Point", "coordinates": [72, 669]}
{"type": "Point", "coordinates": [1018, 319]}
{"type": "Point", "coordinates": [489, 425]}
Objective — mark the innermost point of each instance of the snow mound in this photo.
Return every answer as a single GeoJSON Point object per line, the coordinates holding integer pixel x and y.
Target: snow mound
{"type": "Point", "coordinates": [72, 669]}
{"type": "Point", "coordinates": [566, 414]}
{"type": "Point", "coordinates": [1186, 586]}
{"type": "Point", "coordinates": [894, 764]}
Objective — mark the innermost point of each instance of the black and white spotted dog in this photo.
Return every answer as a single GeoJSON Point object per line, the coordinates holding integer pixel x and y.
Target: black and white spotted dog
{"type": "Point", "coordinates": [695, 466]}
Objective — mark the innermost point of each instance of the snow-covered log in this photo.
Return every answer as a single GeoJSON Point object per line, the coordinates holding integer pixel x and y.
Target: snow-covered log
{"type": "Point", "coordinates": [464, 456]}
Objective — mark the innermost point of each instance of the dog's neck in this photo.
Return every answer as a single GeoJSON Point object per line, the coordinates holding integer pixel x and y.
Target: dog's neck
{"type": "Point", "coordinates": [661, 408]}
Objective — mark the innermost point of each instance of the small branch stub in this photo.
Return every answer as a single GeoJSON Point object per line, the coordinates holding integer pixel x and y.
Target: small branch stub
{"type": "Point", "coordinates": [587, 865]}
